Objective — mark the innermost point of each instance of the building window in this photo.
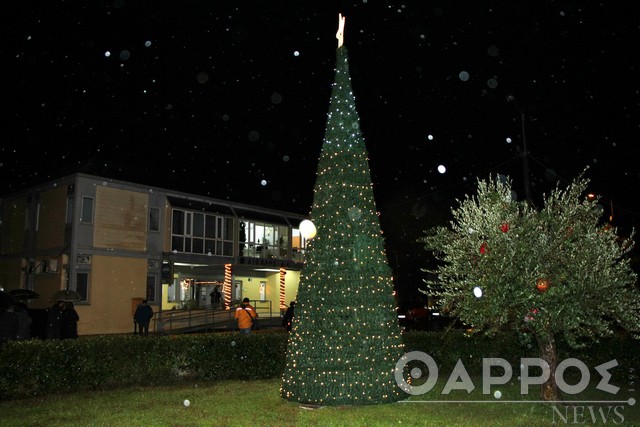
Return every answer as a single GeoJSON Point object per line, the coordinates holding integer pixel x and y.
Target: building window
{"type": "Point", "coordinates": [86, 215]}
{"type": "Point", "coordinates": [27, 215]}
{"type": "Point", "coordinates": [264, 240]}
{"type": "Point", "coordinates": [298, 245]}
{"type": "Point", "coordinates": [82, 285]}
{"type": "Point", "coordinates": [37, 216]}
{"type": "Point", "coordinates": [151, 288]}
{"type": "Point", "coordinates": [154, 219]}
{"type": "Point", "coordinates": [200, 233]}
{"type": "Point", "coordinates": [70, 207]}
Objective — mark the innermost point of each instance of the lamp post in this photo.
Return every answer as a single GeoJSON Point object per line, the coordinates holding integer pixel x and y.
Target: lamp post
{"type": "Point", "coordinates": [525, 153]}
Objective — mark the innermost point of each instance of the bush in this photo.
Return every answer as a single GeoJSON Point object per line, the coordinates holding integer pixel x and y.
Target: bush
{"type": "Point", "coordinates": [37, 367]}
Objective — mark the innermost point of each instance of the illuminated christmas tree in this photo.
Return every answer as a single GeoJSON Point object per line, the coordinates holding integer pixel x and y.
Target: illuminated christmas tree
{"type": "Point", "coordinates": [553, 273]}
{"type": "Point", "coordinates": [345, 339]}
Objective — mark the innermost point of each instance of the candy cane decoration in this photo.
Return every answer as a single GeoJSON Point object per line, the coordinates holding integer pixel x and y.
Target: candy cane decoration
{"type": "Point", "coordinates": [283, 271]}
{"type": "Point", "coordinates": [226, 289]}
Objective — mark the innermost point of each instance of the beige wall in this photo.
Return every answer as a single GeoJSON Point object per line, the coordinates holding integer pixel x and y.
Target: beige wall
{"type": "Point", "coordinates": [13, 218]}
{"type": "Point", "coordinates": [120, 219]}
{"type": "Point", "coordinates": [51, 219]}
{"type": "Point", "coordinates": [114, 282]}
{"type": "Point", "coordinates": [11, 274]}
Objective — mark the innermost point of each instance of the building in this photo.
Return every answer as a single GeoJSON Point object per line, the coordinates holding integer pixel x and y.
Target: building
{"type": "Point", "coordinates": [116, 243]}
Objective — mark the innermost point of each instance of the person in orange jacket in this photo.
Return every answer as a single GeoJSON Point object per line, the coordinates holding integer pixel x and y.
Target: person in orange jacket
{"type": "Point", "coordinates": [245, 315]}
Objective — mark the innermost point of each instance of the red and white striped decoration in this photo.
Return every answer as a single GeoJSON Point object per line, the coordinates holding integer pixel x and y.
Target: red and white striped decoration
{"type": "Point", "coordinates": [283, 306]}
{"type": "Point", "coordinates": [226, 289]}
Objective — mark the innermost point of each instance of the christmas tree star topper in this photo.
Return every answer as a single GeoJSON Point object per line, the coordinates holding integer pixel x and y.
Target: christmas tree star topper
{"type": "Point", "coordinates": [340, 33]}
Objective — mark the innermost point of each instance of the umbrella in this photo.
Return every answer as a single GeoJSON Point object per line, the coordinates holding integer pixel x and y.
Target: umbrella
{"type": "Point", "coordinates": [23, 294]}
{"type": "Point", "coordinates": [66, 295]}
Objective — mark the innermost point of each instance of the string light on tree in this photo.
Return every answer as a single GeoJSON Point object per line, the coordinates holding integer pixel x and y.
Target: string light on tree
{"type": "Point", "coordinates": [346, 339]}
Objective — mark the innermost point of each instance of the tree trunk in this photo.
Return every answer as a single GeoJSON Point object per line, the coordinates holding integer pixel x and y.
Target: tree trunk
{"type": "Point", "coordinates": [549, 391]}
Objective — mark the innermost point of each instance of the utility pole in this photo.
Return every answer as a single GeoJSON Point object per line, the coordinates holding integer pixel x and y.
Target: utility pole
{"type": "Point", "coordinates": [525, 152]}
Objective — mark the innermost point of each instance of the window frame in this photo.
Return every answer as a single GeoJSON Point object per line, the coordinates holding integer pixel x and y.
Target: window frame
{"type": "Point", "coordinates": [83, 209]}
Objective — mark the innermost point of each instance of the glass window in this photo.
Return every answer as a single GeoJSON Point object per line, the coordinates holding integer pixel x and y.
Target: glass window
{"type": "Point", "coordinates": [151, 288]}
{"type": "Point", "coordinates": [210, 227]}
{"type": "Point", "coordinates": [82, 285]}
{"type": "Point", "coordinates": [37, 216]}
{"type": "Point", "coordinates": [198, 225]}
{"type": "Point", "coordinates": [177, 243]}
{"type": "Point", "coordinates": [154, 219]}
{"type": "Point", "coordinates": [70, 206]}
{"type": "Point", "coordinates": [27, 215]}
{"type": "Point", "coordinates": [198, 246]}
{"type": "Point", "coordinates": [87, 210]}
{"type": "Point", "coordinates": [228, 229]}
{"type": "Point", "coordinates": [177, 225]}
{"type": "Point", "coordinates": [201, 233]}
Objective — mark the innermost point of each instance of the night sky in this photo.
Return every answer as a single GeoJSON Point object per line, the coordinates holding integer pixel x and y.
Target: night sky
{"type": "Point", "coordinates": [229, 99]}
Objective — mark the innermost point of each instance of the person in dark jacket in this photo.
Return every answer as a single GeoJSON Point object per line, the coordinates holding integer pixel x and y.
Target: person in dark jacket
{"type": "Point", "coordinates": [54, 320]}
{"type": "Point", "coordinates": [288, 316]}
{"type": "Point", "coordinates": [8, 325]}
{"type": "Point", "coordinates": [143, 316]}
{"type": "Point", "coordinates": [69, 322]}
{"type": "Point", "coordinates": [24, 321]}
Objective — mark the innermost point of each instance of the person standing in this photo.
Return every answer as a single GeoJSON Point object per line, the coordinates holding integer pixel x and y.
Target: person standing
{"type": "Point", "coordinates": [216, 297]}
{"type": "Point", "coordinates": [245, 315]}
{"type": "Point", "coordinates": [9, 324]}
{"type": "Point", "coordinates": [69, 322]}
{"type": "Point", "coordinates": [54, 320]}
{"type": "Point", "coordinates": [24, 321]}
{"type": "Point", "coordinates": [288, 316]}
{"type": "Point", "coordinates": [143, 316]}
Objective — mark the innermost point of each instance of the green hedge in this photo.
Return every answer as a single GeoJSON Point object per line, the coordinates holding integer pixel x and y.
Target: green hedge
{"type": "Point", "coordinates": [35, 367]}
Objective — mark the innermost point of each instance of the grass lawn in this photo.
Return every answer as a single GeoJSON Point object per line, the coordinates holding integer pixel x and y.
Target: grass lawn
{"type": "Point", "coordinates": [257, 403]}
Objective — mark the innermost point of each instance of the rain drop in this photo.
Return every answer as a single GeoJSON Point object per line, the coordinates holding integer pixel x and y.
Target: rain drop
{"type": "Point", "coordinates": [263, 182]}
{"type": "Point", "coordinates": [442, 169]}
{"type": "Point", "coordinates": [202, 77]}
{"type": "Point", "coordinates": [276, 98]}
{"type": "Point", "coordinates": [509, 140]}
{"type": "Point", "coordinates": [125, 55]}
{"type": "Point", "coordinates": [296, 53]}
{"type": "Point", "coordinates": [492, 83]}
{"type": "Point", "coordinates": [464, 76]}
{"type": "Point", "coordinates": [147, 43]}
{"type": "Point", "coordinates": [107, 54]}
{"type": "Point", "coordinates": [430, 137]}
{"type": "Point", "coordinates": [254, 135]}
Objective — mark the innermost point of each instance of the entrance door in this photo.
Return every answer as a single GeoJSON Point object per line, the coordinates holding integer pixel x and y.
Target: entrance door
{"type": "Point", "coordinates": [236, 294]}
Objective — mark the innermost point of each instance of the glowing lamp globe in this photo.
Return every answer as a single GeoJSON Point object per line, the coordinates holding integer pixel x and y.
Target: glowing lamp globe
{"type": "Point", "coordinates": [307, 229]}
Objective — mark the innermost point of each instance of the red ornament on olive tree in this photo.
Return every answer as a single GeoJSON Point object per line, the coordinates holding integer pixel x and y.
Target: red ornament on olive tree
{"type": "Point", "coordinates": [542, 284]}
